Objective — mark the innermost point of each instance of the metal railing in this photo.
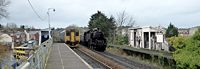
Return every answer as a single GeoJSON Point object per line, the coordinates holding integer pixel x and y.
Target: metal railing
{"type": "Point", "coordinates": [39, 58]}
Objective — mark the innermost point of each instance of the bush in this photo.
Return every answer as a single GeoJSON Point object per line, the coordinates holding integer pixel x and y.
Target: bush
{"type": "Point", "coordinates": [121, 40]}
{"type": "Point", "coordinates": [177, 42]}
{"type": "Point", "coordinates": [187, 54]}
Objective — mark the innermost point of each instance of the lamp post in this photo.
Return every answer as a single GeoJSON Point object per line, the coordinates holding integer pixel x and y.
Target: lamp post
{"type": "Point", "coordinates": [49, 20]}
{"type": "Point", "coordinates": [49, 16]}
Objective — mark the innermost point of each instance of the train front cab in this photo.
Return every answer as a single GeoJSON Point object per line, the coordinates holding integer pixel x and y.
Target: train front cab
{"type": "Point", "coordinates": [72, 38]}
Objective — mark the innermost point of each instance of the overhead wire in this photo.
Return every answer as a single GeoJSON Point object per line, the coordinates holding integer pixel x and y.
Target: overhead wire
{"type": "Point", "coordinates": [35, 10]}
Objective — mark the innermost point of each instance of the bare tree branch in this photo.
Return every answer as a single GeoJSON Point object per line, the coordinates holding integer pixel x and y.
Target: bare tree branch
{"type": "Point", "coordinates": [3, 8]}
{"type": "Point", "coordinates": [123, 19]}
{"type": "Point", "coordinates": [131, 22]}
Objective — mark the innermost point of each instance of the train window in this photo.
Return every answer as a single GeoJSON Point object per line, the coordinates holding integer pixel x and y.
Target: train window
{"type": "Point", "coordinates": [77, 33]}
{"type": "Point", "coordinates": [67, 33]}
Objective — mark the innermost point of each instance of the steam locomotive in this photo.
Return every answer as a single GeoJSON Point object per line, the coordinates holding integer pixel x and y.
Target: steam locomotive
{"type": "Point", "coordinates": [94, 39]}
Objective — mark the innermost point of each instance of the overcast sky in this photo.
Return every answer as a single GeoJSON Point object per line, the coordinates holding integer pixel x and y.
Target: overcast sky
{"type": "Point", "coordinates": [182, 13]}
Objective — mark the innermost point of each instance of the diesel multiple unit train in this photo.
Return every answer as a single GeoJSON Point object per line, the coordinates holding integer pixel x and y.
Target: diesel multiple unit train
{"type": "Point", "coordinates": [71, 37]}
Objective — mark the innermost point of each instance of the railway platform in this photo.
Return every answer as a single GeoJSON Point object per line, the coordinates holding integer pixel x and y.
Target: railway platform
{"type": "Point", "coordinates": [63, 57]}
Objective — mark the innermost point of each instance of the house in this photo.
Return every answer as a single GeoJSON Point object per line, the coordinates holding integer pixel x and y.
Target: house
{"type": "Point", "coordinates": [34, 35]}
{"type": "Point", "coordinates": [187, 31]}
{"type": "Point", "coordinates": [148, 38]}
{"type": "Point", "coordinates": [19, 38]}
{"type": "Point", "coordinates": [183, 31]}
{"type": "Point", "coordinates": [5, 38]}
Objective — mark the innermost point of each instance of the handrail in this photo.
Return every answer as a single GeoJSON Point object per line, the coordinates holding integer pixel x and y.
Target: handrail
{"type": "Point", "coordinates": [37, 60]}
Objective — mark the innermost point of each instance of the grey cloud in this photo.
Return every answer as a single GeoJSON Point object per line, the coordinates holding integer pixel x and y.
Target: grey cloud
{"type": "Point", "coordinates": [146, 12]}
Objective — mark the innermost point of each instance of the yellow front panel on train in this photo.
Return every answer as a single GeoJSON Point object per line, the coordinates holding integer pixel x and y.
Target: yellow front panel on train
{"type": "Point", "coordinates": [67, 38]}
{"type": "Point", "coordinates": [77, 38]}
{"type": "Point", "coordinates": [72, 37]}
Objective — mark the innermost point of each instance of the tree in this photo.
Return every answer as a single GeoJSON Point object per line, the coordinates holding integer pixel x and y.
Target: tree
{"type": "Point", "coordinates": [177, 42]}
{"type": "Point", "coordinates": [22, 27]}
{"type": "Point", "coordinates": [171, 31]}
{"type": "Point", "coordinates": [3, 5]}
{"type": "Point", "coordinates": [187, 52]}
{"type": "Point", "coordinates": [123, 19]}
{"type": "Point", "coordinates": [99, 20]}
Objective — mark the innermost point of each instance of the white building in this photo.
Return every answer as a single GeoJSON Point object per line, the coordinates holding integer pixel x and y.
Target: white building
{"type": "Point", "coordinates": [5, 38]}
{"type": "Point", "coordinates": [148, 38]}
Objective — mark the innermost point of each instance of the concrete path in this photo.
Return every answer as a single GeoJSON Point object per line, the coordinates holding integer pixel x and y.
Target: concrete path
{"type": "Point", "coordinates": [63, 57]}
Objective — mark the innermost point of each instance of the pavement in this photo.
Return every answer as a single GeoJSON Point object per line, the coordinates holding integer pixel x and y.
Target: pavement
{"type": "Point", "coordinates": [63, 57]}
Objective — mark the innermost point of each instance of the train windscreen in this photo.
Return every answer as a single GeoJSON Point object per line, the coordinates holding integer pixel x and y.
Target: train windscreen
{"type": "Point", "coordinates": [77, 34]}
{"type": "Point", "coordinates": [67, 33]}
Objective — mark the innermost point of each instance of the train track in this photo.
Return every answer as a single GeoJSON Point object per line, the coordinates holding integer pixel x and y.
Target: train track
{"type": "Point", "coordinates": [96, 64]}
{"type": "Point", "coordinates": [112, 61]}
{"type": "Point", "coordinates": [126, 62]}
{"type": "Point", "coordinates": [96, 60]}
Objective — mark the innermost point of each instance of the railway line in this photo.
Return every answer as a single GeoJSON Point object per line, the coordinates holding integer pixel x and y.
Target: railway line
{"type": "Point", "coordinates": [126, 62]}
{"type": "Point", "coordinates": [106, 60]}
{"type": "Point", "coordinates": [95, 63]}
{"type": "Point", "coordinates": [96, 60]}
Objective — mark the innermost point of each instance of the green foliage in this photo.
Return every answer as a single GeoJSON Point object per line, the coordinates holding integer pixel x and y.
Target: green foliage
{"type": "Point", "coordinates": [177, 42]}
{"type": "Point", "coordinates": [126, 40]}
{"type": "Point", "coordinates": [171, 31]}
{"type": "Point", "coordinates": [187, 54]}
{"type": "Point", "coordinates": [196, 36]}
{"type": "Point", "coordinates": [99, 20]}
{"type": "Point", "coordinates": [121, 40]}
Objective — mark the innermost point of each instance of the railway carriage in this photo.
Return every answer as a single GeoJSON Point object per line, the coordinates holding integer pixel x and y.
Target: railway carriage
{"type": "Point", "coordinates": [72, 37]}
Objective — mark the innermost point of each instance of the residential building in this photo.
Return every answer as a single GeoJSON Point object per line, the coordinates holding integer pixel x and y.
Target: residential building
{"type": "Point", "coordinates": [5, 38]}
{"type": "Point", "coordinates": [183, 31]}
{"type": "Point", "coordinates": [187, 31]}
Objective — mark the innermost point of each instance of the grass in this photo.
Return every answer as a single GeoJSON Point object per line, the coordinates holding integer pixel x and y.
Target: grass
{"type": "Point", "coordinates": [137, 59]}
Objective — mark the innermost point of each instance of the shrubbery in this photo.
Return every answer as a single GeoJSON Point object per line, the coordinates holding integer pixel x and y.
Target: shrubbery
{"type": "Point", "coordinates": [121, 40]}
{"type": "Point", "coordinates": [187, 54]}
